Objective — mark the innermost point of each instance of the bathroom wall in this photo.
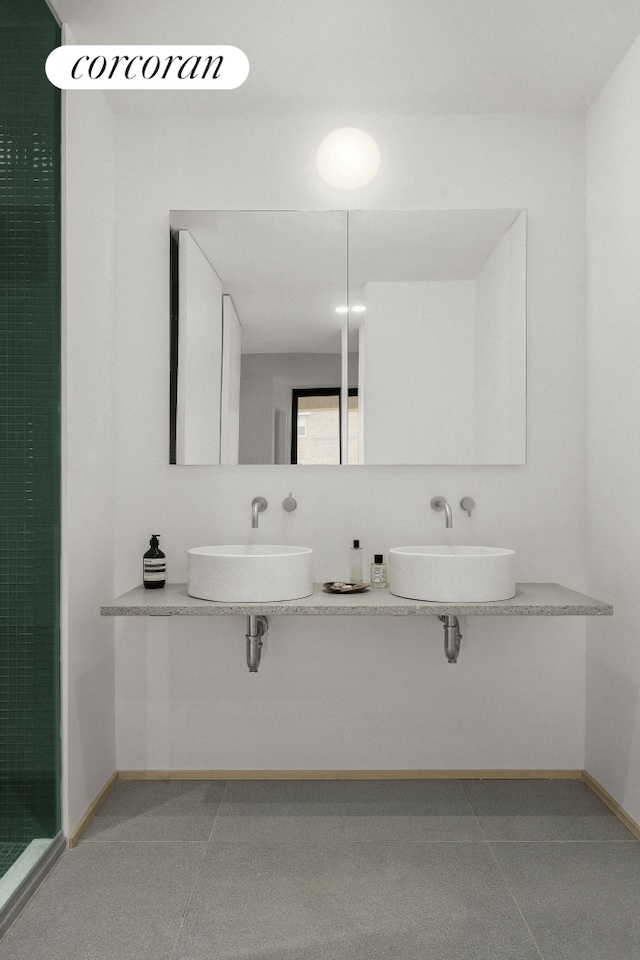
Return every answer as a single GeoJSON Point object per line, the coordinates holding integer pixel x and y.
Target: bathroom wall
{"type": "Point", "coordinates": [344, 692]}
{"type": "Point", "coordinates": [200, 352]}
{"type": "Point", "coordinates": [416, 334]}
{"type": "Point", "coordinates": [613, 417]}
{"type": "Point", "coordinates": [87, 449]}
{"type": "Point", "coordinates": [501, 345]}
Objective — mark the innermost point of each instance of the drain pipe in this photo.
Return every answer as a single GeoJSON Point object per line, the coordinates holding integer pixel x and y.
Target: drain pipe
{"type": "Point", "coordinates": [257, 627]}
{"type": "Point", "coordinates": [452, 637]}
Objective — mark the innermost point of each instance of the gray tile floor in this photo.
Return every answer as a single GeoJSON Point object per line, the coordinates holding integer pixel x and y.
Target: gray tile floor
{"type": "Point", "coordinates": [336, 870]}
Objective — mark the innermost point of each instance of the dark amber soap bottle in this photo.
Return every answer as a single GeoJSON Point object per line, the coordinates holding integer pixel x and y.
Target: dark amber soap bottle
{"type": "Point", "coordinates": [154, 565]}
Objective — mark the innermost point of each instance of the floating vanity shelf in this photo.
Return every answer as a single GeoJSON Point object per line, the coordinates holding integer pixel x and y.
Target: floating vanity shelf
{"type": "Point", "coordinates": [531, 599]}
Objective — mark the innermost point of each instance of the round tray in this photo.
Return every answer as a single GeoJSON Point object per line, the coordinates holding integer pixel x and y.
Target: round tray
{"type": "Point", "coordinates": [341, 586]}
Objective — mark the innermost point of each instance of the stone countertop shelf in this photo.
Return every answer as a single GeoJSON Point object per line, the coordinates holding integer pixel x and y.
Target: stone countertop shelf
{"type": "Point", "coordinates": [531, 599]}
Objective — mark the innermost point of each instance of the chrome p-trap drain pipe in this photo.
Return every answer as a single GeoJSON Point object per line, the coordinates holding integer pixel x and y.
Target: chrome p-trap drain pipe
{"type": "Point", "coordinates": [257, 626]}
{"type": "Point", "coordinates": [452, 637]}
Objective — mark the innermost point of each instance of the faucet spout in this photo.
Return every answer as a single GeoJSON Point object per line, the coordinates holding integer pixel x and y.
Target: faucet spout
{"type": "Point", "coordinates": [258, 504]}
{"type": "Point", "coordinates": [439, 503]}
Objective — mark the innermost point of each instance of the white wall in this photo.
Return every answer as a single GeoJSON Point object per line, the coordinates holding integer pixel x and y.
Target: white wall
{"type": "Point", "coordinates": [613, 222]}
{"type": "Point", "coordinates": [258, 401]}
{"type": "Point", "coordinates": [199, 356]}
{"type": "Point", "coordinates": [230, 393]}
{"type": "Point", "coordinates": [501, 350]}
{"type": "Point", "coordinates": [419, 372]}
{"type": "Point", "coordinates": [341, 693]}
{"type": "Point", "coordinates": [88, 476]}
{"type": "Point", "coordinates": [492, 358]}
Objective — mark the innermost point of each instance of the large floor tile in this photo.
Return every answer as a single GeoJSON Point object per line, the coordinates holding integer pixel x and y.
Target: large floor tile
{"type": "Point", "coordinates": [581, 899]}
{"type": "Point", "coordinates": [352, 901]}
{"type": "Point", "coordinates": [542, 810]}
{"type": "Point", "coordinates": [158, 810]}
{"type": "Point", "coordinates": [346, 810]}
{"type": "Point", "coordinates": [115, 901]}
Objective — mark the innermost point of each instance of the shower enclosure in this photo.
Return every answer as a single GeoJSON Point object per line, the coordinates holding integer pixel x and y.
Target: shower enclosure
{"type": "Point", "coordinates": [29, 449]}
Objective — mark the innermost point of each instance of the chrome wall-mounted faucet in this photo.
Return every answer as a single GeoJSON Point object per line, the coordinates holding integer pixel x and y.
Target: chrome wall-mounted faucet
{"type": "Point", "coordinates": [289, 504]}
{"type": "Point", "coordinates": [258, 504]}
{"type": "Point", "coordinates": [467, 504]}
{"type": "Point", "coordinates": [439, 503]}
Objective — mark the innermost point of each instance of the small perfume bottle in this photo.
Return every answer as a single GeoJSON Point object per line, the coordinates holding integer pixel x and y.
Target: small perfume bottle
{"type": "Point", "coordinates": [378, 576]}
{"type": "Point", "coordinates": [356, 562]}
{"type": "Point", "coordinates": [154, 565]}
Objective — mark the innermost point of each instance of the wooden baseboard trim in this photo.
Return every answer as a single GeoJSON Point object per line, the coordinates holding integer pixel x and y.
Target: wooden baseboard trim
{"type": "Point", "coordinates": [75, 836]}
{"type": "Point", "coordinates": [592, 783]}
{"type": "Point", "coordinates": [350, 774]}
{"type": "Point", "coordinates": [613, 805]}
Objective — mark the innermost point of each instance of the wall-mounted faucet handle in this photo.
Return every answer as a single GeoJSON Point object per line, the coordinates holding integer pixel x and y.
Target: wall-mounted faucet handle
{"type": "Point", "coordinates": [289, 504]}
{"type": "Point", "coordinates": [439, 503]}
{"type": "Point", "coordinates": [258, 504]}
{"type": "Point", "coordinates": [467, 504]}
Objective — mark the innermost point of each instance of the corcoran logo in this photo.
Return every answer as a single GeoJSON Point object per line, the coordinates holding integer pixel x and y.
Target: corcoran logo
{"type": "Point", "coordinates": [99, 67]}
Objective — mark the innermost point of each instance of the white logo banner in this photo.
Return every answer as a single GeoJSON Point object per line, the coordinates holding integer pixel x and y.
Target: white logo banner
{"type": "Point", "coordinates": [147, 67]}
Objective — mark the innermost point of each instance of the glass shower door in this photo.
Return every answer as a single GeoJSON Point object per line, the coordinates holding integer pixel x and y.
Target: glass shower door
{"type": "Point", "coordinates": [29, 443]}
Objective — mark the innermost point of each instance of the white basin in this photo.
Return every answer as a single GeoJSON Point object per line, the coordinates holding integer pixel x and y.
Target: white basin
{"type": "Point", "coordinates": [456, 574]}
{"type": "Point", "coordinates": [241, 573]}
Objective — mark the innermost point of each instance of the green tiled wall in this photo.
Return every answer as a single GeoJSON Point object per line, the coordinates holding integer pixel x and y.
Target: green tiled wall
{"type": "Point", "coordinates": [29, 425]}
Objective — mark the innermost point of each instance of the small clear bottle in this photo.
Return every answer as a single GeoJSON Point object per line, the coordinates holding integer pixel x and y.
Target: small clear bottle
{"type": "Point", "coordinates": [378, 568]}
{"type": "Point", "coordinates": [356, 562]}
{"type": "Point", "coordinates": [154, 565]}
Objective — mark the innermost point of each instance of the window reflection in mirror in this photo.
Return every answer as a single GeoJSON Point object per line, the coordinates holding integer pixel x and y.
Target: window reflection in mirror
{"type": "Point", "coordinates": [316, 436]}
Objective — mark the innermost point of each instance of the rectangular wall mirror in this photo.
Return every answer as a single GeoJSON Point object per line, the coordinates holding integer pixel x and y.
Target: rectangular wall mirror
{"type": "Point", "coordinates": [368, 337]}
{"type": "Point", "coordinates": [442, 336]}
{"type": "Point", "coordinates": [256, 320]}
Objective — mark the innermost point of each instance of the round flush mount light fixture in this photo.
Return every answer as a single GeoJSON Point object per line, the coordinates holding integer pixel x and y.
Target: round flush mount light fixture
{"type": "Point", "coordinates": [348, 158]}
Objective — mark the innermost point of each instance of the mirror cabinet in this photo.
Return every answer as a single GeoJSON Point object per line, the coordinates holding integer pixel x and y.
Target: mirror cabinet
{"type": "Point", "coordinates": [360, 337]}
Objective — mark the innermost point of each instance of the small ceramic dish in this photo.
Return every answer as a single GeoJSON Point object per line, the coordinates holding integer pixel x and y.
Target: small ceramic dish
{"type": "Point", "coordinates": [340, 586]}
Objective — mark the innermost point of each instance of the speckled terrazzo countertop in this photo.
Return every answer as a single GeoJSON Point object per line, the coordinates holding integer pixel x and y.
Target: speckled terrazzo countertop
{"type": "Point", "coordinates": [531, 599]}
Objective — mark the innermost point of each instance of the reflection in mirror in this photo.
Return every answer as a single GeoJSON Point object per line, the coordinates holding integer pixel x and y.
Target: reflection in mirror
{"type": "Point", "coordinates": [318, 435]}
{"type": "Point", "coordinates": [255, 320]}
{"type": "Point", "coordinates": [427, 345]}
{"type": "Point", "coordinates": [442, 339]}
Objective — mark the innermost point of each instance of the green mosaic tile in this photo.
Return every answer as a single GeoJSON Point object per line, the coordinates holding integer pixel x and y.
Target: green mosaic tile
{"type": "Point", "coordinates": [29, 427]}
{"type": "Point", "coordinates": [9, 853]}
{"type": "Point", "coordinates": [26, 811]}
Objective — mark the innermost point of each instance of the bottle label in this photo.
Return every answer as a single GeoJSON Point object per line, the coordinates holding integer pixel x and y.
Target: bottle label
{"type": "Point", "coordinates": [154, 568]}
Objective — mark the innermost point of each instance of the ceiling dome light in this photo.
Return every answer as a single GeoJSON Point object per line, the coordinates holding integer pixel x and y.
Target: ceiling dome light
{"type": "Point", "coordinates": [348, 158]}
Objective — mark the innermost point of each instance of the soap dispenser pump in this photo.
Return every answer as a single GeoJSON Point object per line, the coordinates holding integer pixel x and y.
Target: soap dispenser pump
{"type": "Point", "coordinates": [154, 565]}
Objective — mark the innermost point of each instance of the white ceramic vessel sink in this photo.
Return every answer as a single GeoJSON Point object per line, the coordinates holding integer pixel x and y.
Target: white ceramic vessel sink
{"type": "Point", "coordinates": [241, 573]}
{"type": "Point", "coordinates": [456, 574]}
